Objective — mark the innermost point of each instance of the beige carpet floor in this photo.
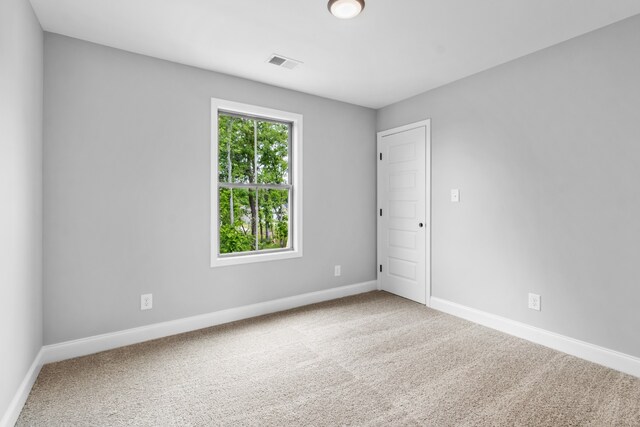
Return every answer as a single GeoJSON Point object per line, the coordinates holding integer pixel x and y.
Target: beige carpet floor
{"type": "Point", "coordinates": [373, 359]}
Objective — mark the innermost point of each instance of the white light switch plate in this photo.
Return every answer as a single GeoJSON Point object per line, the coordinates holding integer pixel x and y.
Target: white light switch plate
{"type": "Point", "coordinates": [455, 195]}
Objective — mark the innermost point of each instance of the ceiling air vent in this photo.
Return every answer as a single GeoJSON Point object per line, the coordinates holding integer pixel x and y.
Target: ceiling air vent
{"type": "Point", "coordinates": [284, 62]}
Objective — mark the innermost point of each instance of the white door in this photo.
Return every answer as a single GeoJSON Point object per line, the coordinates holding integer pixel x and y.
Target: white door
{"type": "Point", "coordinates": [403, 211]}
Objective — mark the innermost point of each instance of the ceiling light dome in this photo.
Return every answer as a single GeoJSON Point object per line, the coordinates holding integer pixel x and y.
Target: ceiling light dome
{"type": "Point", "coordinates": [345, 9]}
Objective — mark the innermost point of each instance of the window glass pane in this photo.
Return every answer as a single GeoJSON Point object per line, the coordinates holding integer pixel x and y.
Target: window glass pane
{"type": "Point", "coordinates": [238, 220]}
{"type": "Point", "coordinates": [274, 219]}
{"type": "Point", "coordinates": [236, 149]}
{"type": "Point", "coordinates": [273, 153]}
{"type": "Point", "coordinates": [254, 216]}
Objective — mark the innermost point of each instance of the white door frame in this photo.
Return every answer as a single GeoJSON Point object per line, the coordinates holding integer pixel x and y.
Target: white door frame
{"type": "Point", "coordinates": [427, 125]}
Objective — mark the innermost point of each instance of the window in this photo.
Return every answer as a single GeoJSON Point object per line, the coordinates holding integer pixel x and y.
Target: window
{"type": "Point", "coordinates": [256, 184]}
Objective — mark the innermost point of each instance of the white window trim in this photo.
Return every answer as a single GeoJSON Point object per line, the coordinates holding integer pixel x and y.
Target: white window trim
{"type": "Point", "coordinates": [296, 182]}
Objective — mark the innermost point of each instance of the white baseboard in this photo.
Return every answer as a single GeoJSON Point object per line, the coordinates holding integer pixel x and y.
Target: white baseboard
{"type": "Point", "coordinates": [15, 407]}
{"type": "Point", "coordinates": [95, 344]}
{"type": "Point", "coordinates": [584, 350]}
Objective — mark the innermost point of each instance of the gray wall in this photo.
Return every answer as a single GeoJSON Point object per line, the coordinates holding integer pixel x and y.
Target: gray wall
{"type": "Point", "coordinates": [126, 168]}
{"type": "Point", "coordinates": [546, 153]}
{"type": "Point", "coordinates": [21, 44]}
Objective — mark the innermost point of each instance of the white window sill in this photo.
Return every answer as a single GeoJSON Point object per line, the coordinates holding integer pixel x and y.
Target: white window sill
{"type": "Point", "coordinates": [224, 261]}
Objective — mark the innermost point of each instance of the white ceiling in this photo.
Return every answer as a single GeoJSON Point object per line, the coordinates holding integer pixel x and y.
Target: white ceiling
{"type": "Point", "coordinates": [393, 50]}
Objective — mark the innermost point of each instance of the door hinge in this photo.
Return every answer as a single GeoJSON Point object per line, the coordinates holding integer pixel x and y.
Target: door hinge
{"type": "Point", "coordinates": [380, 156]}
{"type": "Point", "coordinates": [380, 268]}
{"type": "Point", "coordinates": [380, 212]}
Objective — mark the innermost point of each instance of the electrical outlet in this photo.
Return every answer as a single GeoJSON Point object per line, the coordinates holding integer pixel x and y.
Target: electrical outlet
{"type": "Point", "coordinates": [146, 302]}
{"type": "Point", "coordinates": [337, 270]}
{"type": "Point", "coordinates": [534, 302]}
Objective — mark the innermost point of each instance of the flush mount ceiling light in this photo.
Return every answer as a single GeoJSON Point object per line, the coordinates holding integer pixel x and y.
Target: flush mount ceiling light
{"type": "Point", "coordinates": [345, 9]}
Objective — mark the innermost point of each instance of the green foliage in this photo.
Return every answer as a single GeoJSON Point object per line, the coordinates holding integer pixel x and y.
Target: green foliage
{"type": "Point", "coordinates": [282, 231]}
{"type": "Point", "coordinates": [253, 152]}
{"type": "Point", "coordinates": [234, 234]}
{"type": "Point", "coordinates": [231, 240]}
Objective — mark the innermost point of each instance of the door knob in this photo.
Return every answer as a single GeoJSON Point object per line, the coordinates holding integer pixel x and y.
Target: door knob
{"type": "Point", "coordinates": [421, 225]}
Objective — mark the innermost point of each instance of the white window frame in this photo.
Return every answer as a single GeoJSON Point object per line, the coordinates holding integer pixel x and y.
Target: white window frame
{"type": "Point", "coordinates": [295, 167]}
